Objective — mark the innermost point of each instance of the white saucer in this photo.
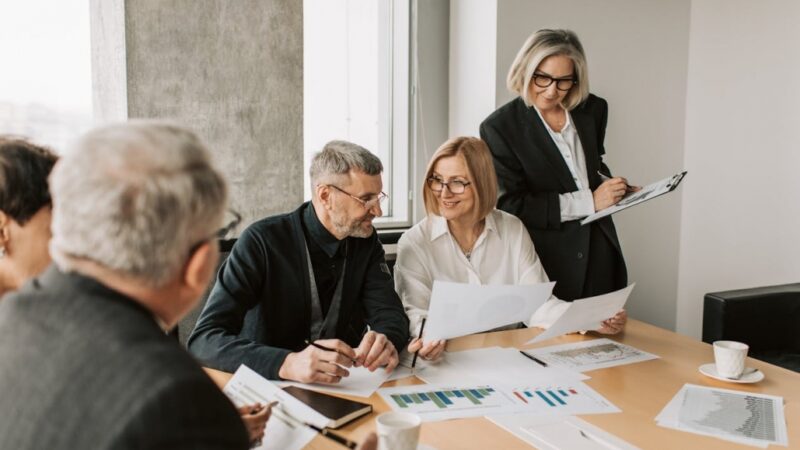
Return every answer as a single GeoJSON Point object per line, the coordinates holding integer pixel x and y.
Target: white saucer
{"type": "Point", "coordinates": [710, 370]}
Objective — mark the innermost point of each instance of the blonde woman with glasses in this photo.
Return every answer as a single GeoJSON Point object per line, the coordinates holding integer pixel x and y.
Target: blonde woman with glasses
{"type": "Point", "coordinates": [464, 239]}
{"type": "Point", "coordinates": [547, 146]}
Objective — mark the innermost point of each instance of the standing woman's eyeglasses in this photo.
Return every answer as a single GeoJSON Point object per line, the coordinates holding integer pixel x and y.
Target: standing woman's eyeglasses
{"type": "Point", "coordinates": [562, 84]}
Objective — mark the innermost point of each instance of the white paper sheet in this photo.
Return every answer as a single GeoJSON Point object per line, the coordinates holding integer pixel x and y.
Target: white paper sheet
{"type": "Point", "coordinates": [648, 192]}
{"type": "Point", "coordinates": [450, 401]}
{"type": "Point", "coordinates": [459, 309]}
{"type": "Point", "coordinates": [743, 417]}
{"type": "Point", "coordinates": [360, 383]}
{"type": "Point", "coordinates": [247, 387]}
{"type": "Point", "coordinates": [586, 314]}
{"type": "Point", "coordinates": [492, 365]}
{"type": "Point", "coordinates": [568, 432]}
{"type": "Point", "coordinates": [591, 355]}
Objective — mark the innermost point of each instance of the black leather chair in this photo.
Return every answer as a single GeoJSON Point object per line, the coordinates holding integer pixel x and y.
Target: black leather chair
{"type": "Point", "coordinates": [186, 325]}
{"type": "Point", "coordinates": [766, 318]}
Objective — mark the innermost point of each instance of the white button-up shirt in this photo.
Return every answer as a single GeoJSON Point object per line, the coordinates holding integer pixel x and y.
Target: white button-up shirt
{"type": "Point", "coordinates": [503, 254]}
{"type": "Point", "coordinates": [578, 204]}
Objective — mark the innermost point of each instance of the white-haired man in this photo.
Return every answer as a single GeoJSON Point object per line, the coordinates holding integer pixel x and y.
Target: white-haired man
{"type": "Point", "coordinates": [317, 275]}
{"type": "Point", "coordinates": [85, 362]}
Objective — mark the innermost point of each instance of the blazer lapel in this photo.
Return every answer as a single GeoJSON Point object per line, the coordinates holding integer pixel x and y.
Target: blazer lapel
{"type": "Point", "coordinates": [537, 133]}
{"type": "Point", "coordinates": [587, 134]}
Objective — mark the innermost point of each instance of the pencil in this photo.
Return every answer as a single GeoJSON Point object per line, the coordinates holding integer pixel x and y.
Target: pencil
{"type": "Point", "coordinates": [421, 329]}
{"type": "Point", "coordinates": [327, 349]}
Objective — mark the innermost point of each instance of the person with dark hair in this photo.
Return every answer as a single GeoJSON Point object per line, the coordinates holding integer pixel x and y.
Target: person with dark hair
{"type": "Point", "coordinates": [24, 211]}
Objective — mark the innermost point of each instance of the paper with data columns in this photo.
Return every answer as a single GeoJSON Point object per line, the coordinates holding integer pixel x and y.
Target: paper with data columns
{"type": "Point", "coordinates": [459, 309]}
{"type": "Point", "coordinates": [742, 417]}
{"type": "Point", "coordinates": [590, 355]}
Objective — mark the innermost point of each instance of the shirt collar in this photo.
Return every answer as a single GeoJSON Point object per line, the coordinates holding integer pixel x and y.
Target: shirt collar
{"type": "Point", "coordinates": [439, 225]}
{"type": "Point", "coordinates": [567, 125]}
{"type": "Point", "coordinates": [326, 241]}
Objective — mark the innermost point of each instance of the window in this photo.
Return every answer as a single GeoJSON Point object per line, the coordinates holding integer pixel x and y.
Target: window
{"type": "Point", "coordinates": [356, 88]}
{"type": "Point", "coordinates": [46, 81]}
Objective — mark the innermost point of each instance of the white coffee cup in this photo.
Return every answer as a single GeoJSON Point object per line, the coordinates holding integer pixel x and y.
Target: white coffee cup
{"type": "Point", "coordinates": [730, 357]}
{"type": "Point", "coordinates": [398, 431]}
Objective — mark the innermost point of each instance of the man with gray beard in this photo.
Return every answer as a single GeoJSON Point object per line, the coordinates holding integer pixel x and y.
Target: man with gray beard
{"type": "Point", "coordinates": [315, 275]}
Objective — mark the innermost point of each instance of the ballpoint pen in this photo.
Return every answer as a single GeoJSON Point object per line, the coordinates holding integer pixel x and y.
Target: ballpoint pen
{"type": "Point", "coordinates": [286, 417]}
{"type": "Point", "coordinates": [327, 349]}
{"type": "Point", "coordinates": [534, 359]}
{"type": "Point", "coordinates": [421, 329]}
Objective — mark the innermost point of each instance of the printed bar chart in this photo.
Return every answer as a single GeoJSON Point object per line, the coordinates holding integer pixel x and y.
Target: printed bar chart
{"type": "Point", "coordinates": [444, 399]}
{"type": "Point", "coordinates": [551, 397]}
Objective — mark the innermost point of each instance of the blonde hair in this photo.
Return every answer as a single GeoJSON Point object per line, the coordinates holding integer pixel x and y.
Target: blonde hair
{"type": "Point", "coordinates": [543, 44]}
{"type": "Point", "coordinates": [480, 170]}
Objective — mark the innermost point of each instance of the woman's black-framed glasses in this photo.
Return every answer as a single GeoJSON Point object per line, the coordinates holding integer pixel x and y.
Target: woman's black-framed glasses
{"type": "Point", "coordinates": [368, 203]}
{"type": "Point", "coordinates": [454, 186]}
{"type": "Point", "coordinates": [562, 84]}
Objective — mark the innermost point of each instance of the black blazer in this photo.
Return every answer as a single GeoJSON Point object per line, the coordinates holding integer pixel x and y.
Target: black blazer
{"type": "Point", "coordinates": [531, 173]}
{"type": "Point", "coordinates": [85, 367]}
{"type": "Point", "coordinates": [260, 308]}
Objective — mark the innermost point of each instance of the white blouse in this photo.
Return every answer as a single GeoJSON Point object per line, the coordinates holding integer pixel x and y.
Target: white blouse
{"type": "Point", "coordinates": [503, 254]}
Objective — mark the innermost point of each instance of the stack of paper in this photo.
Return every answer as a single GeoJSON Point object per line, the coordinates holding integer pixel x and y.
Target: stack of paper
{"type": "Point", "coordinates": [554, 433]}
{"type": "Point", "coordinates": [741, 417]}
{"type": "Point", "coordinates": [590, 355]}
{"type": "Point", "coordinates": [492, 365]}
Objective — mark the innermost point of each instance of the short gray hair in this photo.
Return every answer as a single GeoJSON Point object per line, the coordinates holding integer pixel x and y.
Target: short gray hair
{"type": "Point", "coordinates": [537, 47]}
{"type": "Point", "coordinates": [135, 198]}
{"type": "Point", "coordinates": [338, 158]}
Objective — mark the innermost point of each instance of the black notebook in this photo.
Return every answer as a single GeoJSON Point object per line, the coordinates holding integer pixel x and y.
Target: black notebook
{"type": "Point", "coordinates": [339, 410]}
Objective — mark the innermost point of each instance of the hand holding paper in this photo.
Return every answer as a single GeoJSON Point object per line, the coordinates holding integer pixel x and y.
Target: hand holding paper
{"type": "Point", "coordinates": [586, 314]}
{"type": "Point", "coordinates": [459, 309]}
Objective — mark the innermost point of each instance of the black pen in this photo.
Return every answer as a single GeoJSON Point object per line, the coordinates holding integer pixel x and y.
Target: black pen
{"type": "Point", "coordinates": [322, 347]}
{"type": "Point", "coordinates": [534, 359]}
{"type": "Point", "coordinates": [333, 436]}
{"type": "Point", "coordinates": [421, 329]}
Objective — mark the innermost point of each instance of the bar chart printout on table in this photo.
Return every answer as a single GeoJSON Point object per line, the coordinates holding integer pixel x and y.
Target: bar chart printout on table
{"type": "Point", "coordinates": [436, 402]}
{"type": "Point", "coordinates": [591, 355]}
{"type": "Point", "coordinates": [743, 417]}
{"type": "Point", "coordinates": [439, 402]}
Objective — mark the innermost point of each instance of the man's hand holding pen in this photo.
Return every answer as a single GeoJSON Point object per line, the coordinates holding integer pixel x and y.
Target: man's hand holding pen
{"type": "Point", "coordinates": [323, 361]}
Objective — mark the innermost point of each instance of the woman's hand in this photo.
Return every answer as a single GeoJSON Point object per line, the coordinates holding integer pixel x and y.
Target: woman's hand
{"type": "Point", "coordinates": [610, 192]}
{"type": "Point", "coordinates": [614, 324]}
{"type": "Point", "coordinates": [255, 420]}
{"type": "Point", "coordinates": [429, 351]}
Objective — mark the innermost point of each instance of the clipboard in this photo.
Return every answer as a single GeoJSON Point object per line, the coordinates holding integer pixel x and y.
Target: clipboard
{"type": "Point", "coordinates": [648, 192]}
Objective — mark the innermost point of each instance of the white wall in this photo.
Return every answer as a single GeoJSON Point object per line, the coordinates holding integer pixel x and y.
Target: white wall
{"type": "Point", "coordinates": [473, 33]}
{"type": "Point", "coordinates": [638, 56]}
{"type": "Point", "coordinates": [740, 219]}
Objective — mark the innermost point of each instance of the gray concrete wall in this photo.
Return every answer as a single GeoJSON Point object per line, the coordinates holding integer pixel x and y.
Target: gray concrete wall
{"type": "Point", "coordinates": [232, 71]}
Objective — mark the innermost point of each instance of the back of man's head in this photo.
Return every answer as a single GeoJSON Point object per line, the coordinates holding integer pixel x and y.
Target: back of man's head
{"type": "Point", "coordinates": [135, 198]}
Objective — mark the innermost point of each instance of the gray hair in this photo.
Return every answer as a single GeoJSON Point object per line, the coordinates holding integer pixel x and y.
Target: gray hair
{"type": "Point", "coordinates": [337, 159]}
{"type": "Point", "coordinates": [135, 198]}
{"type": "Point", "coordinates": [537, 47]}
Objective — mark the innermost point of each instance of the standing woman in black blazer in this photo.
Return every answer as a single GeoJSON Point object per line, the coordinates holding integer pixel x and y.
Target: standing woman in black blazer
{"type": "Point", "coordinates": [547, 146]}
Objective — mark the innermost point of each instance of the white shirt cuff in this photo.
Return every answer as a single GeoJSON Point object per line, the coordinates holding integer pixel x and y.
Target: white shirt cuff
{"type": "Point", "coordinates": [576, 205]}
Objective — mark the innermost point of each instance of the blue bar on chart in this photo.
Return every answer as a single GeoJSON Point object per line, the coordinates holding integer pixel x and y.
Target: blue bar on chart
{"type": "Point", "coordinates": [443, 399]}
{"type": "Point", "coordinates": [552, 397]}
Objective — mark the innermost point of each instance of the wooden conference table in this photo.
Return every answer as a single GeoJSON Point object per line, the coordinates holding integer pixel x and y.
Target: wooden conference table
{"type": "Point", "coordinates": [640, 390]}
